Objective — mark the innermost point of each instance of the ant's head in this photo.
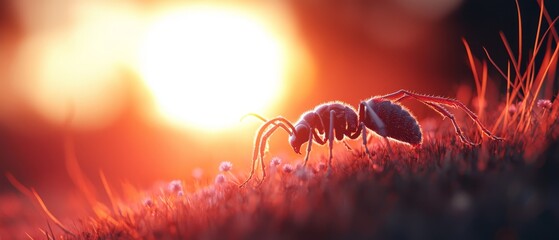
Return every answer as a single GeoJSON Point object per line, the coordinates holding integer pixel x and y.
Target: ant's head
{"type": "Point", "coordinates": [300, 136]}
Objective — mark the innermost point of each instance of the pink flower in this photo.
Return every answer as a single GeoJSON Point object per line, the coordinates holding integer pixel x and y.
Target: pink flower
{"type": "Point", "coordinates": [287, 168]}
{"type": "Point", "coordinates": [219, 179]}
{"type": "Point", "coordinates": [148, 202]}
{"type": "Point", "coordinates": [544, 103]}
{"type": "Point", "coordinates": [175, 186]}
{"type": "Point", "coordinates": [225, 166]}
{"type": "Point", "coordinates": [276, 161]}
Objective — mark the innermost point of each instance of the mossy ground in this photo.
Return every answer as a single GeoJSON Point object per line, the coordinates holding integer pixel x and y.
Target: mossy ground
{"type": "Point", "coordinates": [443, 189]}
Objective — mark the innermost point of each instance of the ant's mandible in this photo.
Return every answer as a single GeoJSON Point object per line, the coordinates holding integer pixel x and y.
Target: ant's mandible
{"type": "Point", "coordinates": [382, 114]}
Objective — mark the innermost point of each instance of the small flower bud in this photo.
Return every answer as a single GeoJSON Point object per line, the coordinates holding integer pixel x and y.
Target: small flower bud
{"type": "Point", "coordinates": [544, 104]}
{"type": "Point", "coordinates": [287, 168]}
{"type": "Point", "coordinates": [148, 202]}
{"type": "Point", "coordinates": [276, 161]}
{"type": "Point", "coordinates": [225, 166]}
{"type": "Point", "coordinates": [219, 179]}
{"type": "Point", "coordinates": [175, 186]}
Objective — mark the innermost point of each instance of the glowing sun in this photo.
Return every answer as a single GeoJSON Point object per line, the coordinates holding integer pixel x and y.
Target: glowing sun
{"type": "Point", "coordinates": [207, 66]}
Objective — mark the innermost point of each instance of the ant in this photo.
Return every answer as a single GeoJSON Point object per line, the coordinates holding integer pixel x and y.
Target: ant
{"type": "Point", "coordinates": [382, 114]}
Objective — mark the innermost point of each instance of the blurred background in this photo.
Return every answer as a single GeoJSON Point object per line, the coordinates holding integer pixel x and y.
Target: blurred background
{"type": "Point", "coordinates": [156, 88]}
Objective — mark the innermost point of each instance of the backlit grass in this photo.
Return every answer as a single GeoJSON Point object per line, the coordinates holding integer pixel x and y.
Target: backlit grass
{"type": "Point", "coordinates": [441, 189]}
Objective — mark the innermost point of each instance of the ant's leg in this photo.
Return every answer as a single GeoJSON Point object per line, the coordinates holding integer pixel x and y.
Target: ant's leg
{"type": "Point", "coordinates": [436, 106]}
{"type": "Point", "coordinates": [310, 142]}
{"type": "Point", "coordinates": [381, 127]}
{"type": "Point", "coordinates": [401, 98]}
{"type": "Point", "coordinates": [317, 138]}
{"type": "Point", "coordinates": [445, 113]}
{"type": "Point", "coordinates": [362, 129]}
{"type": "Point", "coordinates": [269, 132]}
{"type": "Point", "coordinates": [388, 145]}
{"type": "Point", "coordinates": [258, 143]}
{"type": "Point", "coordinates": [254, 154]}
{"type": "Point", "coordinates": [360, 120]}
{"type": "Point", "coordinates": [364, 137]}
{"type": "Point", "coordinates": [318, 124]}
{"type": "Point", "coordinates": [400, 95]}
{"type": "Point", "coordinates": [309, 145]}
{"type": "Point", "coordinates": [395, 95]}
{"type": "Point", "coordinates": [403, 94]}
{"type": "Point", "coordinates": [288, 126]}
{"type": "Point", "coordinates": [263, 144]}
{"type": "Point", "coordinates": [330, 141]}
{"type": "Point", "coordinates": [472, 116]}
{"type": "Point", "coordinates": [347, 145]}
{"type": "Point", "coordinates": [254, 115]}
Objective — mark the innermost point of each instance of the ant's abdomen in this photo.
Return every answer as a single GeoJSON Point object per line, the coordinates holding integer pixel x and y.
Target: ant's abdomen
{"type": "Point", "coordinates": [399, 123]}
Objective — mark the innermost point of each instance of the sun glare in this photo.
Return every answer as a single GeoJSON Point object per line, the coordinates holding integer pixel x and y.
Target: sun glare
{"type": "Point", "coordinates": [207, 66]}
{"type": "Point", "coordinates": [79, 64]}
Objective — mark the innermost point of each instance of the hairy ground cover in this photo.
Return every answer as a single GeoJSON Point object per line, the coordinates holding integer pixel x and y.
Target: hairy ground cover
{"type": "Point", "coordinates": [443, 189]}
